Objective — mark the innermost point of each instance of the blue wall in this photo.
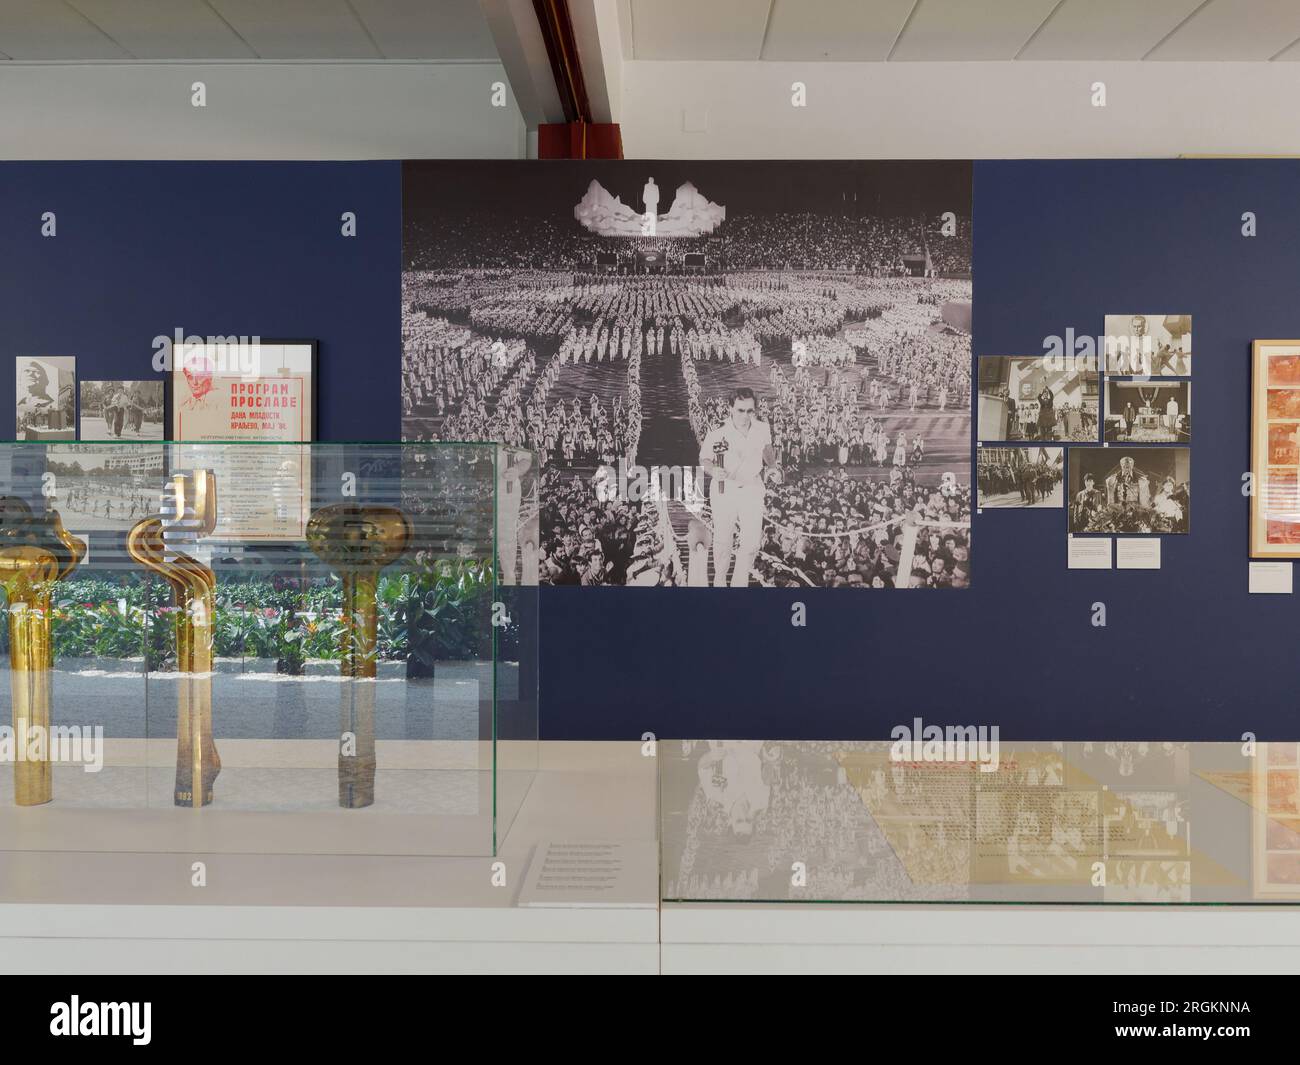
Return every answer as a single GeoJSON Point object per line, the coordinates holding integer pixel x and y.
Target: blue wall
{"type": "Point", "coordinates": [1186, 654]}
{"type": "Point", "coordinates": [216, 249]}
{"type": "Point", "coordinates": [255, 248]}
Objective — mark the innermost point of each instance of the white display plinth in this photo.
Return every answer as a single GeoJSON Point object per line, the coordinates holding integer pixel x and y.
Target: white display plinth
{"type": "Point", "coordinates": [897, 939]}
{"type": "Point", "coordinates": [67, 912]}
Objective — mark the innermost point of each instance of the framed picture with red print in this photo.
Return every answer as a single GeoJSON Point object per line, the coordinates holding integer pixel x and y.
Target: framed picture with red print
{"type": "Point", "coordinates": [258, 394]}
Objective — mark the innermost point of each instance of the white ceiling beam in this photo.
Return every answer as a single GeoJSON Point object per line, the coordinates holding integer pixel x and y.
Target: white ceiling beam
{"type": "Point", "coordinates": [599, 36]}
{"type": "Point", "coordinates": [519, 43]}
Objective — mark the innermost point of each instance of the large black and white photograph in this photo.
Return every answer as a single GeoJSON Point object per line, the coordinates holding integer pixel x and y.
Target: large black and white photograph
{"type": "Point", "coordinates": [1148, 412]}
{"type": "Point", "coordinates": [46, 401]}
{"type": "Point", "coordinates": [732, 374]}
{"type": "Point", "coordinates": [1020, 476]}
{"type": "Point", "coordinates": [1149, 345]}
{"type": "Point", "coordinates": [1130, 490]}
{"type": "Point", "coordinates": [1036, 397]}
{"type": "Point", "coordinates": [121, 410]}
{"type": "Point", "coordinates": [104, 486]}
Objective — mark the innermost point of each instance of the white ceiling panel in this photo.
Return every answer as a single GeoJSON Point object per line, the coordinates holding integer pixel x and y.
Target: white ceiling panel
{"type": "Point", "coordinates": [165, 29]}
{"type": "Point", "coordinates": [683, 30]}
{"type": "Point", "coordinates": [694, 29]}
{"type": "Point", "coordinates": [955, 30]}
{"type": "Point", "coordinates": [834, 29]}
{"type": "Point", "coordinates": [299, 29]}
{"type": "Point", "coordinates": [427, 29]}
{"type": "Point", "coordinates": [1107, 29]}
{"type": "Point", "coordinates": [40, 29]}
{"type": "Point", "coordinates": [1227, 30]}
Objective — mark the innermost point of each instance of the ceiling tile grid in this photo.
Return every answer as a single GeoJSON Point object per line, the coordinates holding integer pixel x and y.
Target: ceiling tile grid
{"type": "Point", "coordinates": [671, 30]}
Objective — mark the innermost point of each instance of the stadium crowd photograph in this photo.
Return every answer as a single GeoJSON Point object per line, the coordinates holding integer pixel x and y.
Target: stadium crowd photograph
{"type": "Point", "coordinates": [729, 374]}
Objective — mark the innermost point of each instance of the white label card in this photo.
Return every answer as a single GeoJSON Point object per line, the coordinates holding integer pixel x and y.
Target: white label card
{"type": "Point", "coordinates": [1134, 553]}
{"type": "Point", "coordinates": [1270, 578]}
{"type": "Point", "coordinates": [1088, 552]}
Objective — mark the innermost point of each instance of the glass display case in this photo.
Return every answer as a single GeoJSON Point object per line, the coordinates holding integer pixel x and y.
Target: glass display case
{"type": "Point", "coordinates": [323, 649]}
{"type": "Point", "coordinates": [1116, 823]}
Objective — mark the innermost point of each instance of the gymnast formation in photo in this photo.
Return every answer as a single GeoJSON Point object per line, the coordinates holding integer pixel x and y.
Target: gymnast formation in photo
{"type": "Point", "coordinates": [829, 351]}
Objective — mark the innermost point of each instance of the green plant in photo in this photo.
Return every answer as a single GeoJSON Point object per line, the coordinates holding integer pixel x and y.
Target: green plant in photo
{"type": "Point", "coordinates": [439, 611]}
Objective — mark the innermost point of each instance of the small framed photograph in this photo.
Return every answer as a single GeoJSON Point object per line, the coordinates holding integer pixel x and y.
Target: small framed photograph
{"type": "Point", "coordinates": [1131, 491]}
{"type": "Point", "coordinates": [1149, 345]}
{"type": "Point", "coordinates": [46, 400]}
{"type": "Point", "coordinates": [1143, 411]}
{"type": "Point", "coordinates": [1030, 398]}
{"type": "Point", "coordinates": [1021, 476]}
{"type": "Point", "coordinates": [122, 410]}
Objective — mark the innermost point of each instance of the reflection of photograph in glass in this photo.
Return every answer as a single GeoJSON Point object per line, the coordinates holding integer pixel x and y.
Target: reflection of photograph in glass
{"type": "Point", "coordinates": [1281, 490]}
{"type": "Point", "coordinates": [104, 486]}
{"type": "Point", "coordinates": [1283, 789]}
{"type": "Point", "coordinates": [1275, 824]}
{"type": "Point", "coordinates": [1283, 834]}
{"type": "Point", "coordinates": [1035, 834]}
{"type": "Point", "coordinates": [1283, 868]}
{"type": "Point", "coordinates": [46, 399]}
{"type": "Point", "coordinates": [1148, 881]}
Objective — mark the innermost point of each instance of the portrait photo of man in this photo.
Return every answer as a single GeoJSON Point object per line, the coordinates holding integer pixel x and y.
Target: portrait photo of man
{"type": "Point", "coordinates": [46, 407]}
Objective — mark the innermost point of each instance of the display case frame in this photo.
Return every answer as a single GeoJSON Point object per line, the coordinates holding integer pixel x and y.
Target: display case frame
{"type": "Point", "coordinates": [221, 675]}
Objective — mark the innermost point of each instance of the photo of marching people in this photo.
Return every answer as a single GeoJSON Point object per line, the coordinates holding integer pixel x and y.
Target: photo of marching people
{"type": "Point", "coordinates": [1031, 398]}
{"type": "Point", "coordinates": [1148, 412]}
{"type": "Point", "coordinates": [98, 486]}
{"type": "Point", "coordinates": [1149, 345]}
{"type": "Point", "coordinates": [1021, 476]}
{"type": "Point", "coordinates": [121, 410]}
{"type": "Point", "coordinates": [1130, 490]}
{"type": "Point", "coordinates": [731, 374]}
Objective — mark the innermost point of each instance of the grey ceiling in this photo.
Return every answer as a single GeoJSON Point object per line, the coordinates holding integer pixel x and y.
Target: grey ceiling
{"type": "Point", "coordinates": [244, 29]}
{"type": "Point", "coordinates": [773, 30]}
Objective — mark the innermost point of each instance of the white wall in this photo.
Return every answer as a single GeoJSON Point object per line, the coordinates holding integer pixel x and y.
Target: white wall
{"type": "Point", "coordinates": [959, 110]}
{"type": "Point", "coordinates": [257, 110]}
{"type": "Point", "coordinates": [357, 110]}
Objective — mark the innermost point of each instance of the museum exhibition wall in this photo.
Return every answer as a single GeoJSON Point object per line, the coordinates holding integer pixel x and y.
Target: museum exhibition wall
{"type": "Point", "coordinates": [465, 301]}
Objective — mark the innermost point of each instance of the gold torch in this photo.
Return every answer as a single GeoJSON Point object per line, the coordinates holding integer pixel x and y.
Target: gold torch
{"type": "Point", "coordinates": [35, 551]}
{"type": "Point", "coordinates": [357, 542]}
{"type": "Point", "coordinates": [189, 511]}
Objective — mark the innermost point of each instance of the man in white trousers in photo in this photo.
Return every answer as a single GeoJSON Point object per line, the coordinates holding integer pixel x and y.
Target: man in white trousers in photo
{"type": "Point", "coordinates": [734, 455]}
{"type": "Point", "coordinates": [512, 464]}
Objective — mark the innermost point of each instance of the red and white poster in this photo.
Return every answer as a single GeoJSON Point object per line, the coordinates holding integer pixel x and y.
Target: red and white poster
{"type": "Point", "coordinates": [258, 397]}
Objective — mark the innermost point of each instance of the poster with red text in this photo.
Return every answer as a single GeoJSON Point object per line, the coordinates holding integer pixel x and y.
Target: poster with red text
{"type": "Point", "coordinates": [257, 396]}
